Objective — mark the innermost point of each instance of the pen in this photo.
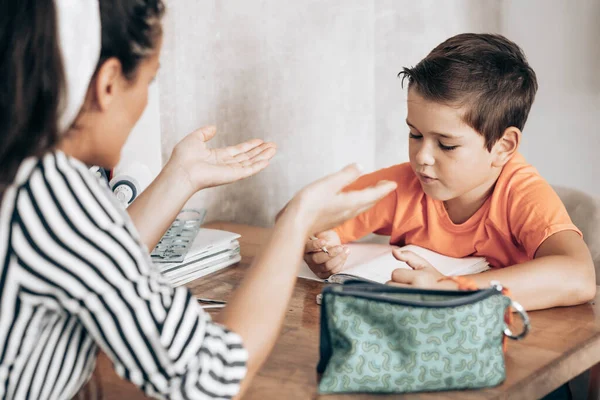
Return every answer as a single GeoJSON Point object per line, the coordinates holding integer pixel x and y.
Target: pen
{"type": "Point", "coordinates": [210, 301]}
{"type": "Point", "coordinates": [208, 306]}
{"type": "Point", "coordinates": [323, 249]}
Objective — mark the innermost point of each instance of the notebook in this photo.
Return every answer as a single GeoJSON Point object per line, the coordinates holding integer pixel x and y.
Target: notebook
{"type": "Point", "coordinates": [211, 251]}
{"type": "Point", "coordinates": [214, 266]}
{"type": "Point", "coordinates": [375, 263]}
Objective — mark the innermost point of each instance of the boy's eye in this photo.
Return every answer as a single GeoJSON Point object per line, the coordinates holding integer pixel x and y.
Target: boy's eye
{"type": "Point", "coordinates": [447, 148]}
{"type": "Point", "coordinates": [440, 144]}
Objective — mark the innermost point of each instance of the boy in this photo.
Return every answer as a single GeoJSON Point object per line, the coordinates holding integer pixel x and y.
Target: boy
{"type": "Point", "coordinates": [467, 191]}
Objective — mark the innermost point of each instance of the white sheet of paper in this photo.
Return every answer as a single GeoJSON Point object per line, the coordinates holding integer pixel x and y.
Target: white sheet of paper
{"type": "Point", "coordinates": [375, 262]}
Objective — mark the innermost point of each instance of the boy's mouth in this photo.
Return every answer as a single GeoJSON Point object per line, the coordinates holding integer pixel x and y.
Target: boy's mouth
{"type": "Point", "coordinates": [426, 178]}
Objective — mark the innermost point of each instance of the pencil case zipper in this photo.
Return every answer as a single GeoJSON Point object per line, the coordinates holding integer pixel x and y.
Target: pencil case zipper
{"type": "Point", "coordinates": [377, 292]}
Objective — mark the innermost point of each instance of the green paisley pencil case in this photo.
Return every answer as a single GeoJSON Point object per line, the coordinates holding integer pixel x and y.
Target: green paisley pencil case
{"type": "Point", "coordinates": [384, 339]}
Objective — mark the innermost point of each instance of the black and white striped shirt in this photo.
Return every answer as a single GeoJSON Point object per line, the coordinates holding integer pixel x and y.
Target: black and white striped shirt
{"type": "Point", "coordinates": [76, 278]}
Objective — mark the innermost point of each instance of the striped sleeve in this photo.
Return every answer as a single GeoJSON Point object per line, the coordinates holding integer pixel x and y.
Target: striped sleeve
{"type": "Point", "coordinates": [69, 236]}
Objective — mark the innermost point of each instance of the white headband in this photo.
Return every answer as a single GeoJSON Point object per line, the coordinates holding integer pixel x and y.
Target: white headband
{"type": "Point", "coordinates": [80, 41]}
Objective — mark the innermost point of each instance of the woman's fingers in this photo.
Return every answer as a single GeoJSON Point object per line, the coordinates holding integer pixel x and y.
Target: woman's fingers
{"type": "Point", "coordinates": [371, 195]}
{"type": "Point", "coordinates": [321, 257]}
{"type": "Point", "coordinates": [260, 152]}
{"type": "Point", "coordinates": [242, 148]}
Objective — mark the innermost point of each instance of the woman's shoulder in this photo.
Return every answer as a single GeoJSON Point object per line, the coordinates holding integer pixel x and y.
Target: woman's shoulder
{"type": "Point", "coordinates": [47, 164]}
{"type": "Point", "coordinates": [62, 180]}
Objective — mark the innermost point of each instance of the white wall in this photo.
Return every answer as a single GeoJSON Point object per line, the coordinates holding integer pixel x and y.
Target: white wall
{"type": "Point", "coordinates": [290, 72]}
{"type": "Point", "coordinates": [319, 78]}
{"type": "Point", "coordinates": [141, 157]}
{"type": "Point", "coordinates": [316, 77]}
{"type": "Point", "coordinates": [560, 40]}
{"type": "Point", "coordinates": [405, 32]}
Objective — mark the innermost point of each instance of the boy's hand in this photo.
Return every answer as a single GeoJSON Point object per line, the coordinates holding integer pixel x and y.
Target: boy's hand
{"type": "Point", "coordinates": [423, 275]}
{"type": "Point", "coordinates": [321, 263]}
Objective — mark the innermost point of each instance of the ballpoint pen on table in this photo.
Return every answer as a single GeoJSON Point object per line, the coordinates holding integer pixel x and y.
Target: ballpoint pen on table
{"type": "Point", "coordinates": [211, 303]}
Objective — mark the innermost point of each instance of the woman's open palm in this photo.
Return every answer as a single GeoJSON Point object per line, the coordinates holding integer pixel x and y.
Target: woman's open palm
{"type": "Point", "coordinates": [206, 167]}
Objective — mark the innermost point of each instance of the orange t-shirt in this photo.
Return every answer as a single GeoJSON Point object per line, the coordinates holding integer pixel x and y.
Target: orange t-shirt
{"type": "Point", "coordinates": [514, 221]}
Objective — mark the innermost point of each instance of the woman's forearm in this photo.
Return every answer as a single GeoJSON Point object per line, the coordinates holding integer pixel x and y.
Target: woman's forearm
{"type": "Point", "coordinates": [153, 211]}
{"type": "Point", "coordinates": [258, 306]}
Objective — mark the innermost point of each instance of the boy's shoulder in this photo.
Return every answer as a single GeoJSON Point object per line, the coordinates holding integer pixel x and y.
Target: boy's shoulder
{"type": "Point", "coordinates": [525, 205]}
{"type": "Point", "coordinates": [522, 192]}
{"type": "Point", "coordinates": [518, 177]}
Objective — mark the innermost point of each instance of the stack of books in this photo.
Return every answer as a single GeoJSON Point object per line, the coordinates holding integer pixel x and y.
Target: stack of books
{"type": "Point", "coordinates": [211, 251]}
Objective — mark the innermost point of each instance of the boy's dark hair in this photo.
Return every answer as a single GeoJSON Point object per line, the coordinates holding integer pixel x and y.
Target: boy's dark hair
{"type": "Point", "coordinates": [487, 73]}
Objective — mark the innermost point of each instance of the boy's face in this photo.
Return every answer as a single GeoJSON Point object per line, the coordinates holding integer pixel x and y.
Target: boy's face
{"type": "Point", "coordinates": [448, 156]}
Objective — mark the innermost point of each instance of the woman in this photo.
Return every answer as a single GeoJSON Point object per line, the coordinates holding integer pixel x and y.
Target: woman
{"type": "Point", "coordinates": [76, 275]}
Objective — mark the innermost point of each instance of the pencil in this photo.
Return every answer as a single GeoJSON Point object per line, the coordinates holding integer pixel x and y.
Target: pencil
{"type": "Point", "coordinates": [323, 249]}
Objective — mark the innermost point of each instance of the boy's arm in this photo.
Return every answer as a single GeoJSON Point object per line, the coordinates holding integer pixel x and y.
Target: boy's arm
{"type": "Point", "coordinates": [561, 274]}
{"type": "Point", "coordinates": [561, 271]}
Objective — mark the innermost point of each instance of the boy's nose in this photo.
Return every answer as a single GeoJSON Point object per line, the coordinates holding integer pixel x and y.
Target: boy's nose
{"type": "Point", "coordinates": [424, 156]}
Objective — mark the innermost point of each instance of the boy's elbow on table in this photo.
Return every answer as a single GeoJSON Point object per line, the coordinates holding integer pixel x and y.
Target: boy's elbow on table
{"type": "Point", "coordinates": [581, 284]}
{"type": "Point", "coordinates": [587, 289]}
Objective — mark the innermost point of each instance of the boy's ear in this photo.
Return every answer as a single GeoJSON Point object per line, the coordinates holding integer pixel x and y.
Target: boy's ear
{"type": "Point", "coordinates": [107, 83]}
{"type": "Point", "coordinates": [506, 146]}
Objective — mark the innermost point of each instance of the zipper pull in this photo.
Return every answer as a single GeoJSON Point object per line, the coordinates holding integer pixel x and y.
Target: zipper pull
{"type": "Point", "coordinates": [497, 285]}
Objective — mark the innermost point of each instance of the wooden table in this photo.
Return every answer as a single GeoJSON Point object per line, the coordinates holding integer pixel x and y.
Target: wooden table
{"type": "Point", "coordinates": [563, 342]}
